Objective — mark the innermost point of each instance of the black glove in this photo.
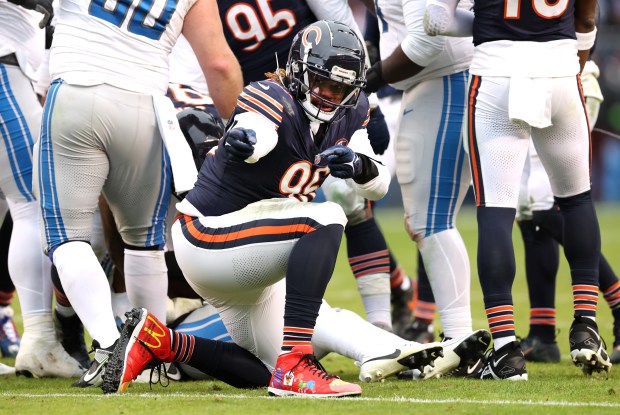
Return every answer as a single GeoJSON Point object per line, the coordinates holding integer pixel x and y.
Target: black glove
{"type": "Point", "coordinates": [374, 78]}
{"type": "Point", "coordinates": [378, 132]}
{"type": "Point", "coordinates": [49, 36]}
{"type": "Point", "coordinates": [239, 144]}
{"type": "Point", "coordinates": [372, 52]}
{"type": "Point", "coordinates": [42, 6]}
{"type": "Point", "coordinates": [343, 162]}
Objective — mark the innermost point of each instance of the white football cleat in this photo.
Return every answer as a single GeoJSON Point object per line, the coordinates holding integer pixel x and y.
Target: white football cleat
{"type": "Point", "coordinates": [160, 374]}
{"type": "Point", "coordinates": [41, 354]}
{"type": "Point", "coordinates": [6, 370]}
{"type": "Point", "coordinates": [410, 355]}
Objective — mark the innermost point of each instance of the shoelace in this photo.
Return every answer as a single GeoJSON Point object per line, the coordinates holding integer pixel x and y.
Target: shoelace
{"type": "Point", "coordinates": [9, 329]}
{"type": "Point", "coordinates": [315, 366]}
{"type": "Point", "coordinates": [159, 366]}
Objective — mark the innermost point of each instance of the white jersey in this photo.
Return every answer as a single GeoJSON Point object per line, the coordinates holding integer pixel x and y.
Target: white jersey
{"type": "Point", "coordinates": [20, 34]}
{"type": "Point", "coordinates": [401, 23]}
{"type": "Point", "coordinates": [185, 69]}
{"type": "Point", "coordinates": [124, 43]}
{"type": "Point", "coordinates": [337, 10]}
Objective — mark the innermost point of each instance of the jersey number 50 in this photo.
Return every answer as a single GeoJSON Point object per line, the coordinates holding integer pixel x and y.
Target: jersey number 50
{"type": "Point", "coordinates": [544, 8]}
{"type": "Point", "coordinates": [149, 18]}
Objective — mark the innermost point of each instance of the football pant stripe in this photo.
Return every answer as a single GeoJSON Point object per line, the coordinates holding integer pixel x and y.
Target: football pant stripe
{"type": "Point", "coordinates": [585, 110]}
{"type": "Point", "coordinates": [257, 231]}
{"type": "Point", "coordinates": [156, 234]}
{"type": "Point", "coordinates": [16, 136]}
{"type": "Point", "coordinates": [54, 227]}
{"type": "Point", "coordinates": [474, 156]}
{"type": "Point", "coordinates": [448, 156]}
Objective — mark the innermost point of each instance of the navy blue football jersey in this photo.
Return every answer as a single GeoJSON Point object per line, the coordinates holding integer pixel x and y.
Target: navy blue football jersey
{"type": "Point", "coordinates": [258, 30]}
{"type": "Point", "coordinates": [288, 170]}
{"type": "Point", "coordinates": [536, 21]}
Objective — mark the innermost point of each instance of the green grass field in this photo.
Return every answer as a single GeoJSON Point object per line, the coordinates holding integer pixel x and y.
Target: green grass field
{"type": "Point", "coordinates": [552, 388]}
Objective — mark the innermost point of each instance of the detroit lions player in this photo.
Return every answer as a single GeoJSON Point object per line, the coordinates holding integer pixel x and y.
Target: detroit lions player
{"type": "Point", "coordinates": [431, 163]}
{"type": "Point", "coordinates": [100, 134]}
{"type": "Point", "coordinates": [526, 83]}
{"type": "Point", "coordinates": [22, 45]}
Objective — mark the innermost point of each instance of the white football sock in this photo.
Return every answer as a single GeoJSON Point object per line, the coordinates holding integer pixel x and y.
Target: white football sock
{"type": "Point", "coordinates": [447, 265]}
{"type": "Point", "coordinates": [120, 305]}
{"type": "Point", "coordinates": [375, 292]}
{"type": "Point", "coordinates": [65, 311]}
{"type": "Point", "coordinates": [502, 341]}
{"type": "Point", "coordinates": [146, 280]}
{"type": "Point", "coordinates": [29, 268]}
{"type": "Point", "coordinates": [87, 288]}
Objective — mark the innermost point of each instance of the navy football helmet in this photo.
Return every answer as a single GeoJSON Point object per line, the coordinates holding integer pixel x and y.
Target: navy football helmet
{"type": "Point", "coordinates": [202, 130]}
{"type": "Point", "coordinates": [326, 69]}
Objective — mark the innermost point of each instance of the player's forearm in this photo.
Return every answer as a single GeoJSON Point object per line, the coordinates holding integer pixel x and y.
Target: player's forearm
{"type": "Point", "coordinates": [225, 84]}
{"type": "Point", "coordinates": [585, 27]}
{"type": "Point", "coordinates": [398, 66]}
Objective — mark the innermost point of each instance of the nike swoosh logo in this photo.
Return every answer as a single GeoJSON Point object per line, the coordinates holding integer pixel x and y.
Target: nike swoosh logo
{"type": "Point", "coordinates": [88, 376]}
{"type": "Point", "coordinates": [387, 356]}
{"type": "Point", "coordinates": [500, 359]}
{"type": "Point", "coordinates": [263, 86]}
{"type": "Point", "coordinates": [405, 112]}
{"type": "Point", "coordinates": [471, 369]}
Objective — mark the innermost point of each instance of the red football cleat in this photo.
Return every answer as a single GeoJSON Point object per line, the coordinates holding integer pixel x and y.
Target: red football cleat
{"type": "Point", "coordinates": [144, 340]}
{"type": "Point", "coordinates": [300, 373]}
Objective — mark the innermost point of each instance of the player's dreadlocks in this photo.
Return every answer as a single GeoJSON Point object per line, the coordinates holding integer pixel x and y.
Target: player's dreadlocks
{"type": "Point", "coordinates": [279, 75]}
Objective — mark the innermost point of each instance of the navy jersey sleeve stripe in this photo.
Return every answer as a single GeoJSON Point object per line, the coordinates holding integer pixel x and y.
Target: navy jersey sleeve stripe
{"type": "Point", "coordinates": [256, 101]}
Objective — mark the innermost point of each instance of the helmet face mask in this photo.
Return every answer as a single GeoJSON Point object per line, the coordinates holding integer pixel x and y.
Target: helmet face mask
{"type": "Point", "coordinates": [326, 69]}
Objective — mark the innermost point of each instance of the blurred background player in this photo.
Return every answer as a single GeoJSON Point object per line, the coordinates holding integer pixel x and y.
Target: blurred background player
{"type": "Point", "coordinates": [22, 45]}
{"type": "Point", "coordinates": [526, 83]}
{"type": "Point", "coordinates": [121, 154]}
{"type": "Point", "coordinates": [9, 335]}
{"type": "Point", "coordinates": [431, 162]}
{"type": "Point", "coordinates": [409, 297]}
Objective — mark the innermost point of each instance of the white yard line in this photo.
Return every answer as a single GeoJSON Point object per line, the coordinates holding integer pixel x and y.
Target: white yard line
{"type": "Point", "coordinates": [394, 399]}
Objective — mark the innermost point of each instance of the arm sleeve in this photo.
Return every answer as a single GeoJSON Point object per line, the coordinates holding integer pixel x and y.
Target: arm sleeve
{"type": "Point", "coordinates": [376, 187]}
{"type": "Point", "coordinates": [420, 48]}
{"type": "Point", "coordinates": [266, 134]}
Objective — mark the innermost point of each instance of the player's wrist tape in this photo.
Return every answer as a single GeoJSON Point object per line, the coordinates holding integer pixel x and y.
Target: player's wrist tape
{"type": "Point", "coordinates": [585, 41]}
{"type": "Point", "coordinates": [368, 171]}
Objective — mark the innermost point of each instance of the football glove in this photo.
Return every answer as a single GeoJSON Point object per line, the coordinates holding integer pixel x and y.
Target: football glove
{"type": "Point", "coordinates": [374, 78]}
{"type": "Point", "coordinates": [343, 162]}
{"type": "Point", "coordinates": [378, 132]}
{"type": "Point", "coordinates": [239, 144]}
{"type": "Point", "coordinates": [42, 6]}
